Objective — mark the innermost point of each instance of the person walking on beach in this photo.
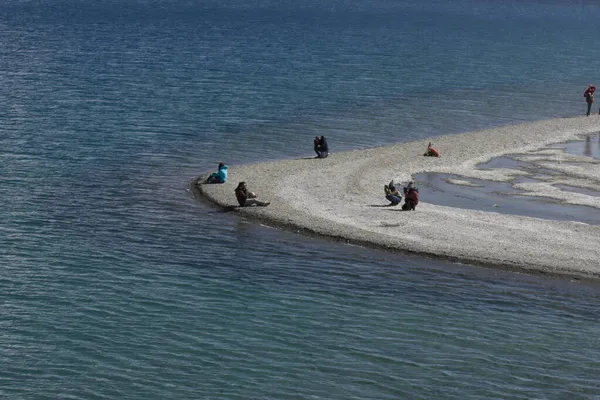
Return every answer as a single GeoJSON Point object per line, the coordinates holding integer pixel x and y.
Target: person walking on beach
{"type": "Point", "coordinates": [247, 198]}
{"type": "Point", "coordinates": [589, 98]}
{"type": "Point", "coordinates": [392, 194]}
{"type": "Point", "coordinates": [220, 176]}
{"type": "Point", "coordinates": [322, 148]}
{"type": "Point", "coordinates": [411, 197]}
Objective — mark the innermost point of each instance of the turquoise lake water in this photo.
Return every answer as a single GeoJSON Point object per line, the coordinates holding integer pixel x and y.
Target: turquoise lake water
{"type": "Point", "coordinates": [116, 283]}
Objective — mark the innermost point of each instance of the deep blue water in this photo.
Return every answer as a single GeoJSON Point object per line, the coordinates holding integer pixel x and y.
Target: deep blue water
{"type": "Point", "coordinates": [116, 283]}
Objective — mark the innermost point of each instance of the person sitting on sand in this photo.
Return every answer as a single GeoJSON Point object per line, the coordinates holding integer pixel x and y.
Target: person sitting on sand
{"type": "Point", "coordinates": [392, 194]}
{"type": "Point", "coordinates": [247, 198]}
{"type": "Point", "coordinates": [411, 197]}
{"type": "Point", "coordinates": [431, 152]}
{"type": "Point", "coordinates": [322, 149]}
{"type": "Point", "coordinates": [220, 176]}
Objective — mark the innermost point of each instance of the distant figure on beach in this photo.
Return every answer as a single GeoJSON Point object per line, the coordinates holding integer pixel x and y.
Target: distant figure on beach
{"type": "Point", "coordinates": [322, 149]}
{"type": "Point", "coordinates": [316, 145]}
{"type": "Point", "coordinates": [392, 194]}
{"type": "Point", "coordinates": [411, 197]}
{"type": "Point", "coordinates": [589, 98]}
{"type": "Point", "coordinates": [431, 152]}
{"type": "Point", "coordinates": [247, 198]}
{"type": "Point", "coordinates": [220, 176]}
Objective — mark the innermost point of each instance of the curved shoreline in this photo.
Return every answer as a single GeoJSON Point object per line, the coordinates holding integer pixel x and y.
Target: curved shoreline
{"type": "Point", "coordinates": [334, 197]}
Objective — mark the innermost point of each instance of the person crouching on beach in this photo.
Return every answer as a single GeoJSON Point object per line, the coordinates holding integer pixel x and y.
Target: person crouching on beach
{"type": "Point", "coordinates": [316, 145]}
{"type": "Point", "coordinates": [431, 152]}
{"type": "Point", "coordinates": [589, 98]}
{"type": "Point", "coordinates": [220, 176]}
{"type": "Point", "coordinates": [322, 148]}
{"type": "Point", "coordinates": [392, 194]}
{"type": "Point", "coordinates": [411, 197]}
{"type": "Point", "coordinates": [247, 198]}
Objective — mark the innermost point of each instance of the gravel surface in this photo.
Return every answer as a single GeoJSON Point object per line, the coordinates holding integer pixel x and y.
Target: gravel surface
{"type": "Point", "coordinates": [342, 197]}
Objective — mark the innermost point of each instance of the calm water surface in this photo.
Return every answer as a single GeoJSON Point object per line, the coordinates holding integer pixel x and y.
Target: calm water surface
{"type": "Point", "coordinates": [116, 283]}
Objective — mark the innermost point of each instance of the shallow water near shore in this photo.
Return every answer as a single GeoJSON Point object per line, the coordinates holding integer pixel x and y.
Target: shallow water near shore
{"type": "Point", "coordinates": [507, 197]}
{"type": "Point", "coordinates": [116, 283]}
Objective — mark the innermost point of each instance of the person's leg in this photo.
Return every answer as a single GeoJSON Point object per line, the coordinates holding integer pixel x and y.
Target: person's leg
{"type": "Point", "coordinates": [255, 202]}
{"type": "Point", "coordinates": [394, 201]}
{"type": "Point", "coordinates": [590, 108]}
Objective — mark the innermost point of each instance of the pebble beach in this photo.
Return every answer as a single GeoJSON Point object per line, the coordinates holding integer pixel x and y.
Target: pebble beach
{"type": "Point", "coordinates": [341, 197]}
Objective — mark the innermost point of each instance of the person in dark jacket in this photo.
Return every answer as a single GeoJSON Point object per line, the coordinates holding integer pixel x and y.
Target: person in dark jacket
{"type": "Point", "coordinates": [220, 176]}
{"type": "Point", "coordinates": [316, 143]}
{"type": "Point", "coordinates": [247, 198]}
{"type": "Point", "coordinates": [322, 149]}
{"type": "Point", "coordinates": [411, 197]}
{"type": "Point", "coordinates": [589, 98]}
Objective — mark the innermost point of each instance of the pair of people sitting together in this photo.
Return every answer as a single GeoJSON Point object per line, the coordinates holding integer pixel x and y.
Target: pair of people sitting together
{"type": "Point", "coordinates": [411, 195]}
{"type": "Point", "coordinates": [321, 147]}
{"type": "Point", "coordinates": [245, 197]}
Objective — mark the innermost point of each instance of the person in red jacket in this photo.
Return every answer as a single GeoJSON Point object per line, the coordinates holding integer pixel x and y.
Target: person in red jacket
{"type": "Point", "coordinates": [411, 197]}
{"type": "Point", "coordinates": [431, 152]}
{"type": "Point", "coordinates": [589, 98]}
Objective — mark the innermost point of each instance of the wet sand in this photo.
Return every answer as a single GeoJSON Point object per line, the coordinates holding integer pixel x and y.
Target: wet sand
{"type": "Point", "coordinates": [342, 197]}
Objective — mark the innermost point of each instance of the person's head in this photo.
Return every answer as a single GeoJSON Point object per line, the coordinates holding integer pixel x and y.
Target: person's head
{"type": "Point", "coordinates": [322, 137]}
{"type": "Point", "coordinates": [241, 185]}
{"type": "Point", "coordinates": [221, 165]}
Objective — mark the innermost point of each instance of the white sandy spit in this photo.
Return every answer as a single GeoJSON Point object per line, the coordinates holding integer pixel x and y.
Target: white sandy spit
{"type": "Point", "coordinates": [338, 197]}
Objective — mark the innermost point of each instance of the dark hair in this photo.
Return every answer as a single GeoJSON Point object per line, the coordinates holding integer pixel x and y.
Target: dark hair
{"type": "Point", "coordinates": [221, 165]}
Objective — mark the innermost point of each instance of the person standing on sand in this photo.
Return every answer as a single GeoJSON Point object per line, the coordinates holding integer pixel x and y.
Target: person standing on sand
{"type": "Point", "coordinates": [247, 198]}
{"type": "Point", "coordinates": [589, 98]}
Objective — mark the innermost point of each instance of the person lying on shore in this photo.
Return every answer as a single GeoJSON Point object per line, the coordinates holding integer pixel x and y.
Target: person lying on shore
{"type": "Point", "coordinates": [247, 198]}
{"type": "Point", "coordinates": [392, 194]}
{"type": "Point", "coordinates": [220, 176]}
{"type": "Point", "coordinates": [322, 149]}
{"type": "Point", "coordinates": [411, 197]}
{"type": "Point", "coordinates": [431, 152]}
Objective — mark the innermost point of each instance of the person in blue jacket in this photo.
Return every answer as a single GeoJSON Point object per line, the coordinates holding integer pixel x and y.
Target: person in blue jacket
{"type": "Point", "coordinates": [220, 176]}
